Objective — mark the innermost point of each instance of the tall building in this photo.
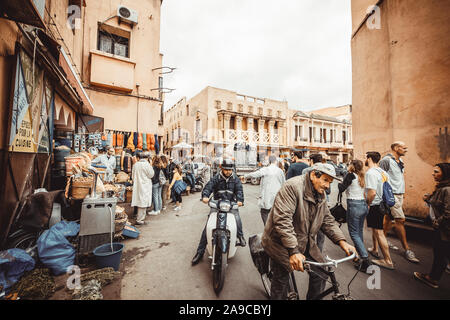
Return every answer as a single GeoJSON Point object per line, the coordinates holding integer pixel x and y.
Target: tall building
{"type": "Point", "coordinates": [401, 86]}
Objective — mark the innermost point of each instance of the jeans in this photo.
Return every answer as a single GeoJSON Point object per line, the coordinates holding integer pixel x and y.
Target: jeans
{"type": "Point", "coordinates": [191, 179]}
{"type": "Point", "coordinates": [441, 256]}
{"type": "Point", "coordinates": [356, 214]}
{"type": "Point", "coordinates": [156, 197]}
{"type": "Point", "coordinates": [280, 281]}
{"type": "Point", "coordinates": [203, 241]}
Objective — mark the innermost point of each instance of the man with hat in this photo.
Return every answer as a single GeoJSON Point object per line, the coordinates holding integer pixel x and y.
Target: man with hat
{"type": "Point", "coordinates": [300, 210]}
{"type": "Point", "coordinates": [224, 180]}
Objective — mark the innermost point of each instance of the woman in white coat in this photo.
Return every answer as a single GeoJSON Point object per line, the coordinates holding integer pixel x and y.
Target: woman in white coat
{"type": "Point", "coordinates": [142, 186]}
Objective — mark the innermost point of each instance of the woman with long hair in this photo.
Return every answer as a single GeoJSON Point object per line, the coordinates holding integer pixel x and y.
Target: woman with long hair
{"type": "Point", "coordinates": [439, 204]}
{"type": "Point", "coordinates": [156, 187]}
{"type": "Point", "coordinates": [357, 209]}
{"type": "Point", "coordinates": [176, 196]}
{"type": "Point", "coordinates": [165, 187]}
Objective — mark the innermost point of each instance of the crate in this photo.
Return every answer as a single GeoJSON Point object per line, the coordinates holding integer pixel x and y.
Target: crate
{"type": "Point", "coordinates": [88, 243]}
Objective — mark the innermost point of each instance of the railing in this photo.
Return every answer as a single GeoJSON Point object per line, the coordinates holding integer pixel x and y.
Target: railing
{"type": "Point", "coordinates": [251, 136]}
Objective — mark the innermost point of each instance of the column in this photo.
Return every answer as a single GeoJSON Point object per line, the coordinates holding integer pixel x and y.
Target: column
{"type": "Point", "coordinates": [226, 119]}
{"type": "Point", "coordinates": [271, 130]}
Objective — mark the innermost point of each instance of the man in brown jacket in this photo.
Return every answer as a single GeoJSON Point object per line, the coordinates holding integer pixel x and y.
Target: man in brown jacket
{"type": "Point", "coordinates": [300, 210]}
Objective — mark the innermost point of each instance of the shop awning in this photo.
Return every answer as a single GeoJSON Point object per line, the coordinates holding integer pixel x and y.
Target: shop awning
{"type": "Point", "coordinates": [74, 80]}
{"type": "Point", "coordinates": [30, 12]}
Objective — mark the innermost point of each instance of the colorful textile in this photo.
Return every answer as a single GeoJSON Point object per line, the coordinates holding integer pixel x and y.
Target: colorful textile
{"type": "Point", "coordinates": [144, 142]}
{"type": "Point", "coordinates": [139, 142]}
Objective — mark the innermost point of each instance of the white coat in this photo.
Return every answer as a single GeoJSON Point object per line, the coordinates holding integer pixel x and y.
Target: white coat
{"type": "Point", "coordinates": [142, 184]}
{"type": "Point", "coordinates": [110, 163]}
{"type": "Point", "coordinates": [272, 179]}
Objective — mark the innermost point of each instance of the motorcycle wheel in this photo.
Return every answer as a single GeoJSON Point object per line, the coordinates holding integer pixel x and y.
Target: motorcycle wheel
{"type": "Point", "coordinates": [27, 242]}
{"type": "Point", "coordinates": [254, 181]}
{"type": "Point", "coordinates": [219, 271]}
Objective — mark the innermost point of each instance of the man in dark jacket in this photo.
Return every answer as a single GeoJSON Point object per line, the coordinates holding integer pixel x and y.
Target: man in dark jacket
{"type": "Point", "coordinates": [298, 213]}
{"type": "Point", "coordinates": [296, 168]}
{"type": "Point", "coordinates": [224, 180]}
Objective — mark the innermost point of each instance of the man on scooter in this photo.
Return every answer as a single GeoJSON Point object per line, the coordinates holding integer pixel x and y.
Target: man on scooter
{"type": "Point", "coordinates": [224, 180]}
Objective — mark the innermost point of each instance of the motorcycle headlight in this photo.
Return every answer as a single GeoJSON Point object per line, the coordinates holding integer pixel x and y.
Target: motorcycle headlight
{"type": "Point", "coordinates": [225, 206]}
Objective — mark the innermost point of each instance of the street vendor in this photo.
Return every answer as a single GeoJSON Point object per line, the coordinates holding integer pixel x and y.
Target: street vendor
{"type": "Point", "coordinates": [109, 161]}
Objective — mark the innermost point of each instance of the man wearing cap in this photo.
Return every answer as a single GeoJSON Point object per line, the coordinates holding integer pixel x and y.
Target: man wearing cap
{"type": "Point", "coordinates": [300, 210]}
{"type": "Point", "coordinates": [224, 180]}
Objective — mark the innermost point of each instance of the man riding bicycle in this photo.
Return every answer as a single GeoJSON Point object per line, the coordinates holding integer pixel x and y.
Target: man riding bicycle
{"type": "Point", "coordinates": [224, 180]}
{"type": "Point", "coordinates": [300, 210]}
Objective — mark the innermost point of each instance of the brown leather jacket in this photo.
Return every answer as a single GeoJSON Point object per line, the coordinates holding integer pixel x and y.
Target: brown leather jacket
{"type": "Point", "coordinates": [295, 219]}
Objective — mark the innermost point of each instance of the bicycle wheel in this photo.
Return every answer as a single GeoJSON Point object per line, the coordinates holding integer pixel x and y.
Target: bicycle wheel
{"type": "Point", "coordinates": [219, 271]}
{"type": "Point", "coordinates": [27, 242]}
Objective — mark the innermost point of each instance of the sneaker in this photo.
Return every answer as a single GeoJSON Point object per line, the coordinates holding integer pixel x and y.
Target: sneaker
{"type": "Point", "coordinates": [426, 279]}
{"type": "Point", "coordinates": [411, 257]}
{"type": "Point", "coordinates": [164, 208]}
{"type": "Point", "coordinates": [141, 223]}
{"type": "Point", "coordinates": [392, 247]}
{"type": "Point", "coordinates": [158, 212]}
{"type": "Point", "coordinates": [177, 208]}
{"type": "Point", "coordinates": [151, 213]}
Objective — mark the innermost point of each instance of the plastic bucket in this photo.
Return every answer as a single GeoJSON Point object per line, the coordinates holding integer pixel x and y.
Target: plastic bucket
{"type": "Point", "coordinates": [104, 258]}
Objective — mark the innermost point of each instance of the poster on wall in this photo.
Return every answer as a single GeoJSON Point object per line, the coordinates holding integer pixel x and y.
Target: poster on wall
{"type": "Point", "coordinates": [31, 109]}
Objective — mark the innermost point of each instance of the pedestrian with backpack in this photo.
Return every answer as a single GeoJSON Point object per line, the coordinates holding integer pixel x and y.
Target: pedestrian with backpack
{"type": "Point", "coordinates": [394, 167]}
{"type": "Point", "coordinates": [357, 210]}
{"type": "Point", "coordinates": [374, 180]}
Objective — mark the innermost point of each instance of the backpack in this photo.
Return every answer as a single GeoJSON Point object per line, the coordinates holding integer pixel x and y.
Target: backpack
{"type": "Point", "coordinates": [388, 194]}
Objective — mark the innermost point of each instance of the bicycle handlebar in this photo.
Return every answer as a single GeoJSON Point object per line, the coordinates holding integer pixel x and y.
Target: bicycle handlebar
{"type": "Point", "coordinates": [330, 262]}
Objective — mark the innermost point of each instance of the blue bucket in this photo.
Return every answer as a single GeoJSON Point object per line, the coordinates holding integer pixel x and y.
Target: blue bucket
{"type": "Point", "coordinates": [105, 258]}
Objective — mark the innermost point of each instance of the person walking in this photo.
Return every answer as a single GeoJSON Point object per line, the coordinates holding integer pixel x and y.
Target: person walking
{"type": "Point", "coordinates": [156, 187]}
{"type": "Point", "coordinates": [439, 203]}
{"type": "Point", "coordinates": [174, 191]}
{"type": "Point", "coordinates": [298, 212]}
{"type": "Point", "coordinates": [142, 186]}
{"type": "Point", "coordinates": [357, 209]}
{"type": "Point", "coordinates": [298, 165]}
{"type": "Point", "coordinates": [394, 167]}
{"type": "Point", "coordinates": [272, 178]}
{"type": "Point", "coordinates": [374, 196]}
{"type": "Point", "coordinates": [165, 187]}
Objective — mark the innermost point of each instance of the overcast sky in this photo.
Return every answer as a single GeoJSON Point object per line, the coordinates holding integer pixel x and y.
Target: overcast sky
{"type": "Point", "coordinates": [294, 50]}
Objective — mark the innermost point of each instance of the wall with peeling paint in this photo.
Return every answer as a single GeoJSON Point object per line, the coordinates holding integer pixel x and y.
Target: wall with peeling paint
{"type": "Point", "coordinates": [401, 88]}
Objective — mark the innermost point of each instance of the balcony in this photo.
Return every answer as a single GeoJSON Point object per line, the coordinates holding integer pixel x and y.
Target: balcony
{"type": "Point", "coordinates": [112, 71]}
{"type": "Point", "coordinates": [251, 137]}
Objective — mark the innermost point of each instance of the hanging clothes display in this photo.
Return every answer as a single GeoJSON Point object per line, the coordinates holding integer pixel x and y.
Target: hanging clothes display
{"type": "Point", "coordinates": [119, 140]}
{"type": "Point", "coordinates": [149, 140]}
{"type": "Point", "coordinates": [130, 144]}
{"type": "Point", "coordinates": [114, 139]}
{"type": "Point", "coordinates": [156, 144]}
{"type": "Point", "coordinates": [135, 139]}
{"type": "Point", "coordinates": [152, 142]}
{"type": "Point", "coordinates": [144, 142]}
{"type": "Point", "coordinates": [140, 142]}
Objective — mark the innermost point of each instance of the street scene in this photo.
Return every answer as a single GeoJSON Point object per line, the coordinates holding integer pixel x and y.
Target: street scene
{"type": "Point", "coordinates": [202, 150]}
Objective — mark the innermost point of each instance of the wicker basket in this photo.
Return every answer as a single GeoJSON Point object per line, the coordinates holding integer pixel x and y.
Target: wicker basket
{"type": "Point", "coordinates": [81, 188]}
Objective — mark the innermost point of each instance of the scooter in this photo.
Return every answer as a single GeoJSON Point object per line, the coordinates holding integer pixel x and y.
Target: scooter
{"type": "Point", "coordinates": [221, 233]}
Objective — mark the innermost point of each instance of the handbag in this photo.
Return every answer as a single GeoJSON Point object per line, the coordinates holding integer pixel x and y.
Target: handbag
{"type": "Point", "coordinates": [179, 186]}
{"type": "Point", "coordinates": [162, 178]}
{"type": "Point", "coordinates": [338, 211]}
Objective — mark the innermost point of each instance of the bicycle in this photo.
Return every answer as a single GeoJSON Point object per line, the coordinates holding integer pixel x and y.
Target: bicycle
{"type": "Point", "coordinates": [327, 268]}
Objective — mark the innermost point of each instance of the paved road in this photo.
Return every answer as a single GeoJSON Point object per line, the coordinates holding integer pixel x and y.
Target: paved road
{"type": "Point", "coordinates": [158, 264]}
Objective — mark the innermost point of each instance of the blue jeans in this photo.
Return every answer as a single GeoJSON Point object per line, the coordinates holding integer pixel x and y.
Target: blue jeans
{"type": "Point", "coordinates": [357, 211]}
{"type": "Point", "coordinates": [204, 241]}
{"type": "Point", "coordinates": [156, 197]}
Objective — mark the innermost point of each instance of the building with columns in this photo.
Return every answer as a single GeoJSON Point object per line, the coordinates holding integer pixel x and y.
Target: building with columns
{"type": "Point", "coordinates": [215, 120]}
{"type": "Point", "coordinates": [319, 133]}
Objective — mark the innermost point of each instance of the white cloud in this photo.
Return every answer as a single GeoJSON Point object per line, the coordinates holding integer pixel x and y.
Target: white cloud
{"type": "Point", "coordinates": [298, 50]}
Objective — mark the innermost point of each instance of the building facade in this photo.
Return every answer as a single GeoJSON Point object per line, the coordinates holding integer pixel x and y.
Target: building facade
{"type": "Point", "coordinates": [319, 133]}
{"type": "Point", "coordinates": [401, 86]}
{"type": "Point", "coordinates": [215, 121]}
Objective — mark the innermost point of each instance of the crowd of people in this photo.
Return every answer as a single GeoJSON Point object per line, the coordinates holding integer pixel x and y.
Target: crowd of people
{"type": "Point", "coordinates": [295, 209]}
